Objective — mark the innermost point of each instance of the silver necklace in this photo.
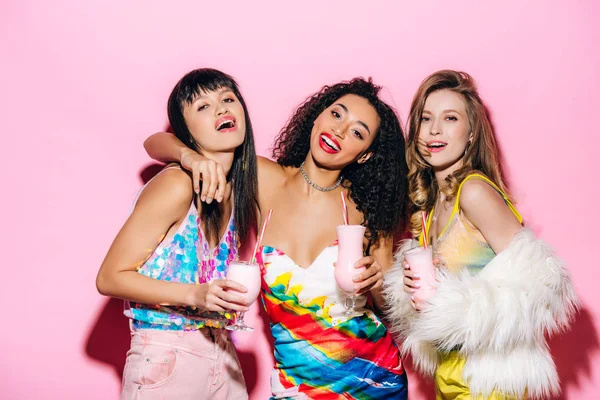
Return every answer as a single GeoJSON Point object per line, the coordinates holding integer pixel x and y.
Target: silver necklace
{"type": "Point", "coordinates": [319, 188]}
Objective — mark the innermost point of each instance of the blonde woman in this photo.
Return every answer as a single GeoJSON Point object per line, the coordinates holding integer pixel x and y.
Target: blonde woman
{"type": "Point", "coordinates": [500, 290]}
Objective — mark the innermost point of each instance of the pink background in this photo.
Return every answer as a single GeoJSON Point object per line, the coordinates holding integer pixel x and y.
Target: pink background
{"type": "Point", "coordinates": [83, 83]}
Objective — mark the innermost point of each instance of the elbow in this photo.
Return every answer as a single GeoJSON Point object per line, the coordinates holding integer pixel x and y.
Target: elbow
{"type": "Point", "coordinates": [148, 145]}
{"type": "Point", "coordinates": [103, 284]}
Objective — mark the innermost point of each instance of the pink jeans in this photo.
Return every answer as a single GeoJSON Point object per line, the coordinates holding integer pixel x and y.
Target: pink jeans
{"type": "Point", "coordinates": [182, 365]}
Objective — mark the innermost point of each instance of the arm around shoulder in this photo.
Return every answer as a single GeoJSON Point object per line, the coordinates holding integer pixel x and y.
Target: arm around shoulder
{"type": "Point", "coordinates": [165, 147]}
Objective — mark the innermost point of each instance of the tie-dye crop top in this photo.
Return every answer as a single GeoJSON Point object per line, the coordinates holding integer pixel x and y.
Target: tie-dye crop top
{"type": "Point", "coordinates": [187, 258]}
{"type": "Point", "coordinates": [458, 245]}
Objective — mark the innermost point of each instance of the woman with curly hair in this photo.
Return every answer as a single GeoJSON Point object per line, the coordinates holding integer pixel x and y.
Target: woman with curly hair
{"type": "Point", "coordinates": [500, 290]}
{"type": "Point", "coordinates": [341, 139]}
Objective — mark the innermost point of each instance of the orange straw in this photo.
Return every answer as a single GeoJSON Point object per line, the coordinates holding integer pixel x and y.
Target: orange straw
{"type": "Point", "coordinates": [424, 229]}
{"type": "Point", "coordinates": [262, 233]}
{"type": "Point", "coordinates": [345, 211]}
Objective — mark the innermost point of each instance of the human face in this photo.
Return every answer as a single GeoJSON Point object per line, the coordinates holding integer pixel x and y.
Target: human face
{"type": "Point", "coordinates": [445, 130]}
{"type": "Point", "coordinates": [343, 132]}
{"type": "Point", "coordinates": [216, 120]}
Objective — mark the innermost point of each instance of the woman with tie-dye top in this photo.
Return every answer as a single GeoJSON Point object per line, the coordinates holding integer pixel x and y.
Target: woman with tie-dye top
{"type": "Point", "coordinates": [341, 139]}
{"type": "Point", "coordinates": [170, 258]}
{"type": "Point", "coordinates": [499, 291]}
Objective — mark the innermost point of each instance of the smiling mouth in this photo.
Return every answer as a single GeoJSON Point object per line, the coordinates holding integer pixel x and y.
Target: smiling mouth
{"type": "Point", "coordinates": [329, 144]}
{"type": "Point", "coordinates": [225, 124]}
{"type": "Point", "coordinates": [435, 147]}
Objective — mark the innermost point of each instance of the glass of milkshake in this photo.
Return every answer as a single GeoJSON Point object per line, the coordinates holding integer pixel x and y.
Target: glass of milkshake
{"type": "Point", "coordinates": [249, 275]}
{"type": "Point", "coordinates": [350, 250]}
{"type": "Point", "coordinates": [420, 260]}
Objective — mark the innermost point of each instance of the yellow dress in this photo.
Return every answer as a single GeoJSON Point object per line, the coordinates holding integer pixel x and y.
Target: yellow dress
{"type": "Point", "coordinates": [460, 249]}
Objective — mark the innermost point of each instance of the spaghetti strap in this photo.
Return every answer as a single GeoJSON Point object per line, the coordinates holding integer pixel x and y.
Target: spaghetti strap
{"type": "Point", "coordinates": [492, 184]}
{"type": "Point", "coordinates": [456, 208]}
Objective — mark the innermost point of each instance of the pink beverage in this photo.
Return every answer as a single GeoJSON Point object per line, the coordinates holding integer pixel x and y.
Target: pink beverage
{"type": "Point", "coordinates": [248, 275]}
{"type": "Point", "coordinates": [420, 260]}
{"type": "Point", "coordinates": [350, 250]}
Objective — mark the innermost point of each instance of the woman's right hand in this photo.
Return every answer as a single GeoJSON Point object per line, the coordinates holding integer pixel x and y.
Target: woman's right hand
{"type": "Point", "coordinates": [219, 295]}
{"type": "Point", "coordinates": [206, 170]}
{"type": "Point", "coordinates": [411, 283]}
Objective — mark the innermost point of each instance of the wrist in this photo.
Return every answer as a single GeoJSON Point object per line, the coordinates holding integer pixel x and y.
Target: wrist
{"type": "Point", "coordinates": [184, 151]}
{"type": "Point", "coordinates": [190, 294]}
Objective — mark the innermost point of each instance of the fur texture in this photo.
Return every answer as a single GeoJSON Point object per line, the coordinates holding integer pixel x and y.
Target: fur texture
{"type": "Point", "coordinates": [499, 318]}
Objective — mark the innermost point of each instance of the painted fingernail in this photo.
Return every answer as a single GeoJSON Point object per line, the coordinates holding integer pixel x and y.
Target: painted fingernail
{"type": "Point", "coordinates": [220, 199]}
{"type": "Point", "coordinates": [416, 275]}
{"type": "Point", "coordinates": [197, 191]}
{"type": "Point", "coordinates": [356, 287]}
{"type": "Point", "coordinates": [209, 200]}
{"type": "Point", "coordinates": [412, 298]}
{"type": "Point", "coordinates": [417, 285]}
{"type": "Point", "coordinates": [355, 278]}
{"type": "Point", "coordinates": [203, 198]}
{"type": "Point", "coordinates": [412, 290]}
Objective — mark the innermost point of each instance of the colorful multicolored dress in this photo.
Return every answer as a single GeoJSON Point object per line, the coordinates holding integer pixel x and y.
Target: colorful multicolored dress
{"type": "Point", "coordinates": [320, 353]}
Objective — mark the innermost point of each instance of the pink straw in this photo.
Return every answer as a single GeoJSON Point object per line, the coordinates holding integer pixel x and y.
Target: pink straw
{"type": "Point", "coordinates": [345, 211]}
{"type": "Point", "coordinates": [424, 230]}
{"type": "Point", "coordinates": [262, 233]}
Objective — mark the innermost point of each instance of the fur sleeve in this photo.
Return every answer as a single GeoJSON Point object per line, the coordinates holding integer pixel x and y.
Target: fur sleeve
{"type": "Point", "coordinates": [401, 316]}
{"type": "Point", "coordinates": [524, 293]}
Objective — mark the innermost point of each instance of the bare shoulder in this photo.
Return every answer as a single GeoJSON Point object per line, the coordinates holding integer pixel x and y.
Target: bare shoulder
{"type": "Point", "coordinates": [269, 174]}
{"type": "Point", "coordinates": [477, 195]}
{"type": "Point", "coordinates": [487, 211]}
{"type": "Point", "coordinates": [171, 191]}
{"type": "Point", "coordinates": [268, 167]}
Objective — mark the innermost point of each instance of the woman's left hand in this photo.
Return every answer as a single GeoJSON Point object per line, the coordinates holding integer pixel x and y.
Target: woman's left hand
{"type": "Point", "coordinates": [371, 278]}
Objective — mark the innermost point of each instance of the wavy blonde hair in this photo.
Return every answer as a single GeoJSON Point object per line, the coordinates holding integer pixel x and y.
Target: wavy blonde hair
{"type": "Point", "coordinates": [482, 155]}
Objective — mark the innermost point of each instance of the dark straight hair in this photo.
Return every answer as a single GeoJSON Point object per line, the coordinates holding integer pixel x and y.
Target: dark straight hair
{"type": "Point", "coordinates": [243, 170]}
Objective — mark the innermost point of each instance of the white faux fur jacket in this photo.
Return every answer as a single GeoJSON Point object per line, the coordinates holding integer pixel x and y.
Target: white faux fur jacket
{"type": "Point", "coordinates": [499, 318]}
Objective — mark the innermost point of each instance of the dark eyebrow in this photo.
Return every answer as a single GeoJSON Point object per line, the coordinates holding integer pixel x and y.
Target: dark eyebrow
{"type": "Point", "coordinates": [343, 106]}
{"type": "Point", "coordinates": [359, 121]}
{"type": "Point", "coordinates": [220, 91]}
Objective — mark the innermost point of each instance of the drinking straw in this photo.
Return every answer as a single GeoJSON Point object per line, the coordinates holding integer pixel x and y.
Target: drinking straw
{"type": "Point", "coordinates": [262, 233]}
{"type": "Point", "coordinates": [424, 229]}
{"type": "Point", "coordinates": [345, 211]}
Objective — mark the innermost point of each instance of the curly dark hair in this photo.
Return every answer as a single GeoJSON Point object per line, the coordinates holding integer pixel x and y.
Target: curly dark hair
{"type": "Point", "coordinates": [379, 187]}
